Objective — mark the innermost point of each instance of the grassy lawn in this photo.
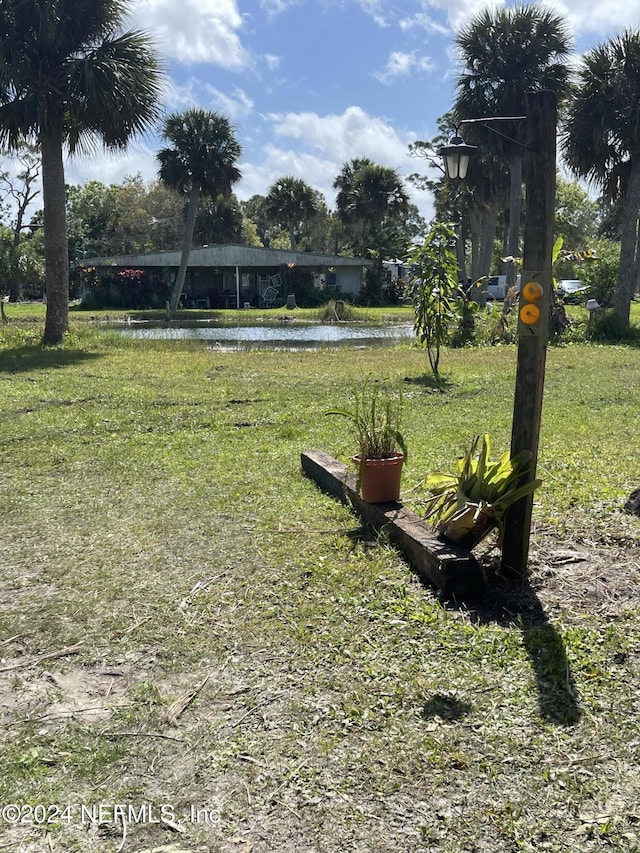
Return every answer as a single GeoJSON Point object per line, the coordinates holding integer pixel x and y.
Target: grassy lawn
{"type": "Point", "coordinates": [186, 620]}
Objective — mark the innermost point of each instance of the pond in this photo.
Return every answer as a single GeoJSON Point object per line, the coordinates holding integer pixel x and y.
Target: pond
{"type": "Point", "coordinates": [285, 335]}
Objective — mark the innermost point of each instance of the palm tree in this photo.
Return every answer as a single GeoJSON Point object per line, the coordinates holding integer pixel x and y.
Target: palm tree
{"type": "Point", "coordinates": [201, 161]}
{"type": "Point", "coordinates": [372, 202]}
{"type": "Point", "coordinates": [508, 52]}
{"type": "Point", "coordinates": [70, 76]}
{"type": "Point", "coordinates": [368, 194]}
{"type": "Point", "coordinates": [602, 142]}
{"type": "Point", "coordinates": [291, 202]}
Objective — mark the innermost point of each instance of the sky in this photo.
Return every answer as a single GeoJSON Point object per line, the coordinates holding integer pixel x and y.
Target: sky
{"type": "Point", "coordinates": [310, 84]}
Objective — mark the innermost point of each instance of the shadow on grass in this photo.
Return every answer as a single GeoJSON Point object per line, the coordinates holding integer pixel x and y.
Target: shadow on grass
{"type": "Point", "coordinates": [430, 383]}
{"type": "Point", "coordinates": [25, 358]}
{"type": "Point", "coordinates": [518, 604]}
{"type": "Point", "coordinates": [445, 707]}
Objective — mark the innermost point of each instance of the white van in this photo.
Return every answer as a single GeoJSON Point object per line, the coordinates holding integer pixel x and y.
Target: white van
{"type": "Point", "coordinates": [497, 286]}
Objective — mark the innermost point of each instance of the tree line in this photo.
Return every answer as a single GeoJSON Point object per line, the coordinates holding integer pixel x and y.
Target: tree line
{"type": "Point", "coordinates": [73, 77]}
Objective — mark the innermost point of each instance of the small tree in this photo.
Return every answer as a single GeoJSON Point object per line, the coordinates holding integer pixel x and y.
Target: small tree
{"type": "Point", "coordinates": [432, 288]}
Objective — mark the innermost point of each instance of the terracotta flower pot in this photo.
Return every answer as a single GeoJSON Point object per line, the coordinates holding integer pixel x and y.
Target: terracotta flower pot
{"type": "Point", "coordinates": [380, 478]}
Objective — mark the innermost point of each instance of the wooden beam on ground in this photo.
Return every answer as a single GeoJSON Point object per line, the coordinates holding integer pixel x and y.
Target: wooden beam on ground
{"type": "Point", "coordinates": [453, 570]}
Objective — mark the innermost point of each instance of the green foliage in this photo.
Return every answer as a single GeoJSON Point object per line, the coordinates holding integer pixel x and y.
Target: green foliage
{"type": "Point", "coordinates": [375, 417]}
{"type": "Point", "coordinates": [466, 311]}
{"type": "Point", "coordinates": [336, 310]}
{"type": "Point", "coordinates": [302, 285]}
{"type": "Point", "coordinates": [128, 289]}
{"type": "Point", "coordinates": [432, 288]}
{"type": "Point", "coordinates": [488, 488]}
{"type": "Point", "coordinates": [576, 215]}
{"type": "Point", "coordinates": [219, 220]}
{"type": "Point", "coordinates": [607, 327]}
{"type": "Point", "coordinates": [600, 272]}
{"type": "Point", "coordinates": [394, 291]}
{"type": "Point", "coordinates": [290, 203]}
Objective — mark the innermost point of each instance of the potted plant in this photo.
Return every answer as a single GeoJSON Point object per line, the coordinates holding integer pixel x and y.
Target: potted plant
{"type": "Point", "coordinates": [466, 505]}
{"type": "Point", "coordinates": [375, 417]}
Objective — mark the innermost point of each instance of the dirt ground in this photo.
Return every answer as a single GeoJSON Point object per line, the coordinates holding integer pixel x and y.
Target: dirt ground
{"type": "Point", "coordinates": [280, 788]}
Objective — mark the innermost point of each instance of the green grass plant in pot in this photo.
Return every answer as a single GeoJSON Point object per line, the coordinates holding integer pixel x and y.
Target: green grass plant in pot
{"type": "Point", "coordinates": [376, 417]}
{"type": "Point", "coordinates": [466, 505]}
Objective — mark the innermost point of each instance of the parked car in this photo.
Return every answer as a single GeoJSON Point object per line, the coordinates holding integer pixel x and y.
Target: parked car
{"type": "Point", "coordinates": [571, 289]}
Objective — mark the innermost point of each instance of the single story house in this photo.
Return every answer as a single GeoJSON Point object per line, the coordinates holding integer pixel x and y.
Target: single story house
{"type": "Point", "coordinates": [230, 276]}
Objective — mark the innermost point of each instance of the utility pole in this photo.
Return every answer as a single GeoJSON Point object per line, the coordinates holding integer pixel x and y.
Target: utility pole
{"type": "Point", "coordinates": [533, 313]}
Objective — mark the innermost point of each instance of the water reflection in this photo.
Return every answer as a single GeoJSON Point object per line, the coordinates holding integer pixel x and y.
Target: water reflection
{"type": "Point", "coordinates": [282, 336]}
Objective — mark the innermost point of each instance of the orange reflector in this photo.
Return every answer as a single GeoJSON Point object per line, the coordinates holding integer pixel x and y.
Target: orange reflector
{"type": "Point", "coordinates": [532, 291]}
{"type": "Point", "coordinates": [529, 314]}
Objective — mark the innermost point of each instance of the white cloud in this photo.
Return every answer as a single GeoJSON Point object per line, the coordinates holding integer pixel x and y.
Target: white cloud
{"type": "Point", "coordinates": [324, 144]}
{"type": "Point", "coordinates": [196, 92]}
{"type": "Point", "coordinates": [376, 9]}
{"type": "Point", "coordinates": [401, 64]}
{"type": "Point", "coordinates": [275, 7]}
{"type": "Point", "coordinates": [193, 31]}
{"type": "Point", "coordinates": [460, 11]}
{"type": "Point", "coordinates": [316, 170]}
{"type": "Point", "coordinates": [272, 62]}
{"type": "Point", "coordinates": [424, 22]}
{"type": "Point", "coordinates": [604, 19]}
{"type": "Point", "coordinates": [113, 168]}
{"type": "Point", "coordinates": [353, 133]}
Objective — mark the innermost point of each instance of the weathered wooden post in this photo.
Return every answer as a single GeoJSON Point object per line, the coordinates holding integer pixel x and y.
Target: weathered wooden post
{"type": "Point", "coordinates": [533, 312]}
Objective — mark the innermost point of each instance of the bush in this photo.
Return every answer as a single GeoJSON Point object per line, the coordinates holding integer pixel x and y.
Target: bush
{"type": "Point", "coordinates": [394, 291]}
{"type": "Point", "coordinates": [135, 289]}
{"type": "Point", "coordinates": [601, 274]}
{"type": "Point", "coordinates": [607, 327]}
{"type": "Point", "coordinates": [302, 285]}
{"type": "Point", "coordinates": [336, 310]}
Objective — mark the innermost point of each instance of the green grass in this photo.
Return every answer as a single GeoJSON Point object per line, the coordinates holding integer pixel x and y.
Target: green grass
{"type": "Point", "coordinates": [153, 509]}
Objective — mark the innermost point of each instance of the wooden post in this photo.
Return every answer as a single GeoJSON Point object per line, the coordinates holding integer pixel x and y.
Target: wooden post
{"type": "Point", "coordinates": [540, 182]}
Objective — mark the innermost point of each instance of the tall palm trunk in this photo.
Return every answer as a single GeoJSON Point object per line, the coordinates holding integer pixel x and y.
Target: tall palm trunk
{"type": "Point", "coordinates": [483, 235]}
{"type": "Point", "coordinates": [461, 254]}
{"type": "Point", "coordinates": [292, 236]}
{"type": "Point", "coordinates": [626, 282]}
{"type": "Point", "coordinates": [515, 214]}
{"type": "Point", "coordinates": [55, 238]}
{"type": "Point", "coordinates": [189, 226]}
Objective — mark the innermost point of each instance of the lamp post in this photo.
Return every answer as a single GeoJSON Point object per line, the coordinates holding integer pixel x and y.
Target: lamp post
{"type": "Point", "coordinates": [456, 157]}
{"type": "Point", "coordinates": [534, 306]}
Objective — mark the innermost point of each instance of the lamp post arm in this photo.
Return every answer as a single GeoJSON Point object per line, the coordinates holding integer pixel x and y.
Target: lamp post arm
{"type": "Point", "coordinates": [483, 123]}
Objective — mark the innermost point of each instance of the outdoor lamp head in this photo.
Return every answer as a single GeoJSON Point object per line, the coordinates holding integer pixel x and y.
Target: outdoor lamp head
{"type": "Point", "coordinates": [456, 157]}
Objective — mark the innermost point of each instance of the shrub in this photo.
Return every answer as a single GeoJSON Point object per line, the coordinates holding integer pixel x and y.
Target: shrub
{"type": "Point", "coordinates": [601, 273]}
{"type": "Point", "coordinates": [336, 310]}
{"type": "Point", "coordinates": [607, 327]}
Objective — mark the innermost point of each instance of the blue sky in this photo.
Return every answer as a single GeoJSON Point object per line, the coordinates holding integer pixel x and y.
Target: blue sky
{"type": "Point", "coordinates": [309, 84]}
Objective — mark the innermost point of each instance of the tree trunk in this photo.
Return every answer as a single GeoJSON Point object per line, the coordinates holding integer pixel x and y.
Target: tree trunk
{"type": "Point", "coordinates": [192, 211]}
{"type": "Point", "coordinates": [461, 254]}
{"type": "Point", "coordinates": [55, 239]}
{"type": "Point", "coordinates": [489, 228]}
{"type": "Point", "coordinates": [515, 213]}
{"type": "Point", "coordinates": [485, 223]}
{"type": "Point", "coordinates": [626, 282]}
{"type": "Point", "coordinates": [292, 236]}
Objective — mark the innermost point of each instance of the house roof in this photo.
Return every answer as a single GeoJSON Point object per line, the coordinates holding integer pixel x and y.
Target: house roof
{"type": "Point", "coordinates": [228, 255]}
